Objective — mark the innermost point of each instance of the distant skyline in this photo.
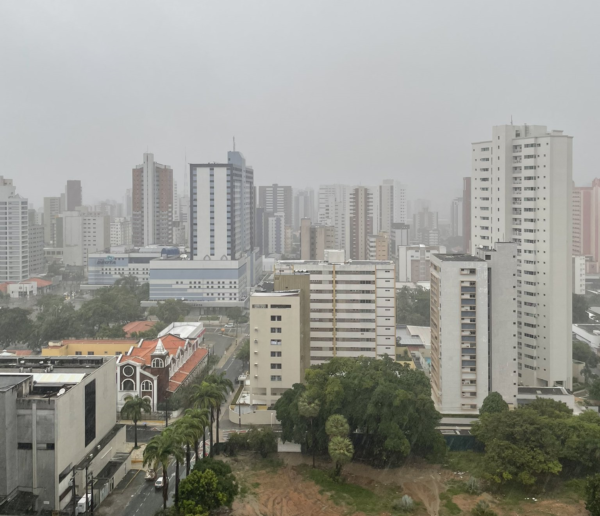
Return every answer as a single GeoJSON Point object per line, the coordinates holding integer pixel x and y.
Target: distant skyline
{"type": "Point", "coordinates": [314, 92]}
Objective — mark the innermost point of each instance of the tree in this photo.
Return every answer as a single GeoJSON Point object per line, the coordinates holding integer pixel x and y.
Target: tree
{"type": "Point", "coordinates": [309, 410]}
{"type": "Point", "coordinates": [182, 435]}
{"type": "Point", "coordinates": [388, 408]}
{"type": "Point", "coordinates": [243, 353]}
{"type": "Point", "coordinates": [208, 396]}
{"type": "Point", "coordinates": [224, 386]}
{"type": "Point", "coordinates": [200, 493]}
{"type": "Point", "coordinates": [134, 409]}
{"type": "Point", "coordinates": [15, 326]}
{"type": "Point", "coordinates": [263, 441]}
{"type": "Point", "coordinates": [549, 407]}
{"type": "Point", "coordinates": [583, 353]}
{"type": "Point", "coordinates": [170, 311]}
{"type": "Point", "coordinates": [594, 390]}
{"type": "Point", "coordinates": [189, 430]}
{"type": "Point", "coordinates": [493, 403]}
{"type": "Point", "coordinates": [202, 417]}
{"type": "Point", "coordinates": [413, 306]}
{"type": "Point", "coordinates": [520, 446]}
{"type": "Point", "coordinates": [592, 495]}
{"type": "Point", "coordinates": [341, 452]}
{"type": "Point", "coordinates": [580, 307]}
{"type": "Point", "coordinates": [226, 483]}
{"type": "Point", "coordinates": [235, 442]}
{"type": "Point", "coordinates": [158, 452]}
{"type": "Point", "coordinates": [337, 426]}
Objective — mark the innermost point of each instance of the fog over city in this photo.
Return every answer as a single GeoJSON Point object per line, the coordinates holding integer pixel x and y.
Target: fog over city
{"type": "Point", "coordinates": [314, 92]}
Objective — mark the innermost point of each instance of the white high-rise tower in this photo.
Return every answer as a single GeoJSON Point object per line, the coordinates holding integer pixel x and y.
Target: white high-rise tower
{"type": "Point", "coordinates": [521, 192]}
{"type": "Point", "coordinates": [14, 239]}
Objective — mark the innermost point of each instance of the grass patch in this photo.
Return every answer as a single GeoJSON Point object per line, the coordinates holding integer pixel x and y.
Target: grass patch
{"type": "Point", "coordinates": [359, 498]}
{"type": "Point", "coordinates": [270, 464]}
{"type": "Point", "coordinates": [466, 461]}
{"type": "Point", "coordinates": [448, 504]}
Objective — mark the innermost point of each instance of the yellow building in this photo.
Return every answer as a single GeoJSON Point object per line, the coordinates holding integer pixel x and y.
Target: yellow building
{"type": "Point", "coordinates": [88, 347]}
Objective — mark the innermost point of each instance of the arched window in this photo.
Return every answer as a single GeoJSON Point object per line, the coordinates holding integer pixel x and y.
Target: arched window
{"type": "Point", "coordinates": [128, 385]}
{"type": "Point", "coordinates": [146, 385]}
{"type": "Point", "coordinates": [158, 362]}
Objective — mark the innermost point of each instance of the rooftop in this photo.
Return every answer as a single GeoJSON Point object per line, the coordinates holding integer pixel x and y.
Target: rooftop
{"type": "Point", "coordinates": [458, 258]}
{"type": "Point", "coordinates": [278, 293]}
{"type": "Point", "coordinates": [137, 326]}
{"type": "Point", "coordinates": [184, 330]}
{"type": "Point", "coordinates": [545, 391]}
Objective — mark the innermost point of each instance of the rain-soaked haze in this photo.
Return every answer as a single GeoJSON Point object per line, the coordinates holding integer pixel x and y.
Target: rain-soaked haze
{"type": "Point", "coordinates": [314, 92]}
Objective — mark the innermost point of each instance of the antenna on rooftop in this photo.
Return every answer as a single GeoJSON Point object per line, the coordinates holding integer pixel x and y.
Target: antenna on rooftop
{"type": "Point", "coordinates": [234, 144]}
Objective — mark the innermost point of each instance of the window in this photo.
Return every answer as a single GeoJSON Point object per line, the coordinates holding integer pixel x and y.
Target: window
{"type": "Point", "coordinates": [275, 353]}
{"type": "Point", "coordinates": [90, 352]}
{"type": "Point", "coordinates": [146, 385]}
{"type": "Point", "coordinates": [275, 342]}
{"type": "Point", "coordinates": [275, 366]}
{"type": "Point", "coordinates": [24, 446]}
{"type": "Point", "coordinates": [78, 353]}
{"type": "Point", "coordinates": [275, 378]}
{"type": "Point", "coordinates": [275, 330]}
{"type": "Point", "coordinates": [128, 385]}
{"type": "Point", "coordinates": [281, 306]}
{"type": "Point", "coordinates": [128, 370]}
{"type": "Point", "coordinates": [276, 318]}
{"type": "Point", "coordinates": [260, 306]}
{"type": "Point", "coordinates": [158, 362]}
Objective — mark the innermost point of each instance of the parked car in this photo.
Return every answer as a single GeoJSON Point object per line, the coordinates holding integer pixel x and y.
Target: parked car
{"type": "Point", "coordinates": [230, 325]}
{"type": "Point", "coordinates": [159, 483]}
{"type": "Point", "coordinates": [150, 475]}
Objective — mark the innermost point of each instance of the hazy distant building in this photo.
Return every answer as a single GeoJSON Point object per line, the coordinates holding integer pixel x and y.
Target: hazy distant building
{"type": "Point", "coordinates": [37, 262]}
{"type": "Point", "coordinates": [361, 222]}
{"type": "Point", "coordinates": [378, 247]}
{"type": "Point", "coordinates": [276, 233]}
{"type": "Point", "coordinates": [52, 209]}
{"type": "Point", "coordinates": [14, 239]}
{"type": "Point", "coordinates": [152, 203]}
{"type": "Point", "coordinates": [425, 228]}
{"type": "Point", "coordinates": [413, 263]}
{"type": "Point", "coordinates": [304, 206]}
{"type": "Point", "coordinates": [522, 191]}
{"type": "Point", "coordinates": [120, 232]}
{"type": "Point", "coordinates": [579, 275]}
{"type": "Point", "coordinates": [80, 233]}
{"type": "Point", "coordinates": [315, 239]}
{"type": "Point", "coordinates": [277, 199]}
{"type": "Point", "coordinates": [73, 195]}
{"type": "Point", "coordinates": [334, 210]}
{"type": "Point", "coordinates": [222, 209]}
{"type": "Point", "coordinates": [586, 224]}
{"type": "Point", "coordinates": [456, 217]}
{"type": "Point", "coordinates": [466, 216]}
{"type": "Point", "coordinates": [392, 204]}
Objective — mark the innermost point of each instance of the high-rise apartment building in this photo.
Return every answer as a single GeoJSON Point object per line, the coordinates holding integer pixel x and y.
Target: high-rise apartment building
{"type": "Point", "coordinates": [579, 275]}
{"type": "Point", "coordinates": [425, 229]}
{"type": "Point", "coordinates": [52, 209]}
{"type": "Point", "coordinates": [277, 356]}
{"type": "Point", "coordinates": [392, 204]}
{"type": "Point", "coordinates": [304, 206]}
{"type": "Point", "coordinates": [413, 262]}
{"type": "Point", "coordinates": [37, 263]}
{"type": "Point", "coordinates": [522, 191]}
{"type": "Point", "coordinates": [73, 197]}
{"type": "Point", "coordinates": [456, 217]}
{"type": "Point", "coordinates": [222, 209]}
{"type": "Point", "coordinates": [378, 247]}
{"type": "Point", "coordinates": [120, 232]}
{"type": "Point", "coordinates": [334, 210]}
{"type": "Point", "coordinates": [361, 222]}
{"type": "Point", "coordinates": [152, 203]}
{"type": "Point", "coordinates": [473, 329]}
{"type": "Point", "coordinates": [277, 199]}
{"type": "Point", "coordinates": [276, 233]}
{"type": "Point", "coordinates": [586, 224]}
{"type": "Point", "coordinates": [315, 239]}
{"type": "Point", "coordinates": [14, 239]}
{"type": "Point", "coordinates": [466, 216]}
{"type": "Point", "coordinates": [80, 233]}
{"type": "Point", "coordinates": [352, 306]}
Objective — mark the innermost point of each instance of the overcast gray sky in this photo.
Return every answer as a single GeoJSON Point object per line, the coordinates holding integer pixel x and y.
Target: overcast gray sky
{"type": "Point", "coordinates": [314, 91]}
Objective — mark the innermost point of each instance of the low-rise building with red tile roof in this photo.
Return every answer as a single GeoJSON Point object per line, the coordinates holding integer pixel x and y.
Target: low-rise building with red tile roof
{"type": "Point", "coordinates": [137, 327]}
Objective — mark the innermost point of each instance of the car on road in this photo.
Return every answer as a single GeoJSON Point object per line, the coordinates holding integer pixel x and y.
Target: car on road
{"type": "Point", "coordinates": [242, 378]}
{"type": "Point", "coordinates": [230, 325]}
{"type": "Point", "coordinates": [159, 483]}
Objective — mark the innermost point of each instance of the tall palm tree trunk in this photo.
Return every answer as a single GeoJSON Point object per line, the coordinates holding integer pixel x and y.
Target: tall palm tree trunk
{"type": "Point", "coordinates": [165, 486]}
{"type": "Point", "coordinates": [176, 483]}
{"type": "Point", "coordinates": [212, 422]}
{"type": "Point", "coordinates": [217, 439]}
{"type": "Point", "coordinates": [204, 444]}
{"type": "Point", "coordinates": [188, 458]}
{"type": "Point", "coordinates": [135, 432]}
{"type": "Point", "coordinates": [196, 446]}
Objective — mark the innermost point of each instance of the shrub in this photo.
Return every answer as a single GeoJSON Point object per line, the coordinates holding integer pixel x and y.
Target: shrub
{"type": "Point", "coordinates": [482, 509]}
{"type": "Point", "coordinates": [263, 441]}
{"type": "Point", "coordinates": [236, 442]}
{"type": "Point", "coordinates": [405, 504]}
{"type": "Point", "coordinates": [473, 486]}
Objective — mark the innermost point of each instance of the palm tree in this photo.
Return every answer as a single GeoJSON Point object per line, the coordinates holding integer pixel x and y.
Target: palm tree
{"type": "Point", "coordinates": [202, 417]}
{"type": "Point", "coordinates": [182, 434]}
{"type": "Point", "coordinates": [190, 430]}
{"type": "Point", "coordinates": [310, 410]}
{"type": "Point", "coordinates": [225, 385]}
{"type": "Point", "coordinates": [134, 409]}
{"type": "Point", "coordinates": [208, 396]}
{"type": "Point", "coordinates": [341, 452]}
{"type": "Point", "coordinates": [158, 452]}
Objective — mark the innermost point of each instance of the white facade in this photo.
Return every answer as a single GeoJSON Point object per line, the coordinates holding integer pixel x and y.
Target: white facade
{"type": "Point", "coordinates": [392, 204]}
{"type": "Point", "coordinates": [521, 191]}
{"type": "Point", "coordinates": [334, 210]}
{"type": "Point", "coordinates": [579, 275]}
{"type": "Point", "coordinates": [275, 347]}
{"type": "Point", "coordinates": [352, 304]}
{"type": "Point", "coordinates": [222, 209]}
{"type": "Point", "coordinates": [120, 232]}
{"type": "Point", "coordinates": [80, 233]}
{"type": "Point", "coordinates": [14, 239]}
{"type": "Point", "coordinates": [473, 329]}
{"type": "Point", "coordinates": [456, 216]}
{"type": "Point", "coordinates": [276, 233]}
{"type": "Point", "coordinates": [413, 262]}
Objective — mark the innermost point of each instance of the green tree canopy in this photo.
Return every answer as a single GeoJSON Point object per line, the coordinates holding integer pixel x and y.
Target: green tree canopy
{"type": "Point", "coordinates": [15, 326]}
{"type": "Point", "coordinates": [493, 403]}
{"type": "Point", "coordinates": [170, 311]}
{"type": "Point", "coordinates": [226, 483]}
{"type": "Point", "coordinates": [387, 405]}
{"type": "Point", "coordinates": [580, 307]}
{"type": "Point", "coordinates": [592, 495]}
{"type": "Point", "coordinates": [200, 492]}
{"type": "Point", "coordinates": [337, 426]}
{"type": "Point", "coordinates": [583, 353]}
{"type": "Point", "coordinates": [341, 452]}
{"type": "Point", "coordinates": [413, 306]}
{"type": "Point", "coordinates": [263, 441]}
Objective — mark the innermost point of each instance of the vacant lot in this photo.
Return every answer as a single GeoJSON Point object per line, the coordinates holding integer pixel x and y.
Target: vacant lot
{"type": "Point", "coordinates": [288, 486]}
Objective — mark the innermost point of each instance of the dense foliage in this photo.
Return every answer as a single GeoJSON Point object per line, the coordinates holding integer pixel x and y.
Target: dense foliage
{"type": "Point", "coordinates": [537, 441]}
{"type": "Point", "coordinates": [580, 306]}
{"type": "Point", "coordinates": [199, 493]}
{"type": "Point", "coordinates": [493, 403]}
{"type": "Point", "coordinates": [412, 306]}
{"type": "Point", "coordinates": [170, 311]}
{"type": "Point", "coordinates": [592, 495]}
{"type": "Point", "coordinates": [226, 483]}
{"type": "Point", "coordinates": [388, 408]}
{"type": "Point", "coordinates": [583, 353]}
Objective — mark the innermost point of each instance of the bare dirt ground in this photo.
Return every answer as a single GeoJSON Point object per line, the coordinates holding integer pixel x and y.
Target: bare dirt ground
{"type": "Point", "coordinates": [282, 491]}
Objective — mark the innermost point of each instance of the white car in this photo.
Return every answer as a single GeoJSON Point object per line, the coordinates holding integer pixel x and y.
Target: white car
{"type": "Point", "coordinates": [229, 325]}
{"type": "Point", "coordinates": [159, 483]}
{"type": "Point", "coordinates": [242, 378]}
